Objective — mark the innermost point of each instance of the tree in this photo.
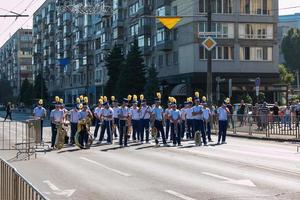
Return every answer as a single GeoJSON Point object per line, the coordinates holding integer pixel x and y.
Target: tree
{"type": "Point", "coordinates": [152, 84]}
{"type": "Point", "coordinates": [26, 90]}
{"type": "Point", "coordinates": [40, 88]}
{"type": "Point", "coordinates": [113, 63]}
{"type": "Point", "coordinates": [286, 77]}
{"type": "Point", "coordinates": [291, 50]}
{"type": "Point", "coordinates": [6, 91]}
{"type": "Point", "coordinates": [132, 78]}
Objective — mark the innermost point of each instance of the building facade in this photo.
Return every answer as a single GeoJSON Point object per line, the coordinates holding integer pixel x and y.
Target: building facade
{"type": "Point", "coordinates": [16, 59]}
{"type": "Point", "coordinates": [70, 48]}
{"type": "Point", "coordinates": [286, 22]}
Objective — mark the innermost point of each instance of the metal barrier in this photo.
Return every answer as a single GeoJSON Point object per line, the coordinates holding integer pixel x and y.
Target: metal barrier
{"type": "Point", "coordinates": [13, 186]}
{"type": "Point", "coordinates": [267, 125]}
{"type": "Point", "coordinates": [20, 136]}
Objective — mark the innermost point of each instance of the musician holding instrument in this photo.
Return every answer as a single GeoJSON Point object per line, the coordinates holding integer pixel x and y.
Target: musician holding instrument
{"type": "Point", "coordinates": [86, 115]}
{"type": "Point", "coordinates": [145, 119]}
{"type": "Point", "coordinates": [207, 120]}
{"type": "Point", "coordinates": [74, 116]}
{"type": "Point", "coordinates": [124, 122]}
{"type": "Point", "coordinates": [135, 119]}
{"type": "Point", "coordinates": [97, 115]}
{"type": "Point", "coordinates": [116, 113]}
{"type": "Point", "coordinates": [56, 117]}
{"type": "Point", "coordinates": [175, 124]}
{"type": "Point", "coordinates": [167, 119]}
{"type": "Point", "coordinates": [158, 114]}
{"type": "Point", "coordinates": [189, 119]}
{"type": "Point", "coordinates": [183, 123]}
{"type": "Point", "coordinates": [107, 114]}
{"type": "Point", "coordinates": [39, 112]}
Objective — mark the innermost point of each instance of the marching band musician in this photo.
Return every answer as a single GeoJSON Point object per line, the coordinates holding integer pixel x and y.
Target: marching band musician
{"type": "Point", "coordinates": [158, 115]}
{"type": "Point", "coordinates": [198, 118]}
{"type": "Point", "coordinates": [207, 120]}
{"type": "Point", "coordinates": [116, 112]}
{"type": "Point", "coordinates": [183, 123]}
{"type": "Point", "coordinates": [62, 107]}
{"type": "Point", "coordinates": [124, 118]}
{"type": "Point", "coordinates": [167, 119]}
{"type": "Point", "coordinates": [39, 112]}
{"type": "Point", "coordinates": [145, 118]}
{"type": "Point", "coordinates": [56, 116]}
{"type": "Point", "coordinates": [74, 118]}
{"type": "Point", "coordinates": [107, 114]}
{"type": "Point", "coordinates": [175, 124]}
{"type": "Point", "coordinates": [97, 115]}
{"type": "Point", "coordinates": [189, 118]}
{"type": "Point", "coordinates": [223, 113]}
{"type": "Point", "coordinates": [135, 118]}
{"type": "Point", "coordinates": [85, 113]}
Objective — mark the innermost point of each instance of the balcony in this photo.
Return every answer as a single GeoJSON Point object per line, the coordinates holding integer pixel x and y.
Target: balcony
{"type": "Point", "coordinates": [105, 46]}
{"type": "Point", "coordinates": [164, 46]}
{"type": "Point", "coordinates": [145, 30]}
{"type": "Point", "coordinates": [146, 50]}
{"type": "Point", "coordinates": [118, 23]}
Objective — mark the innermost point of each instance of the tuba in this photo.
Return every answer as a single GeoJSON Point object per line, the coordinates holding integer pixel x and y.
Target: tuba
{"type": "Point", "coordinates": [83, 127]}
{"type": "Point", "coordinates": [62, 131]}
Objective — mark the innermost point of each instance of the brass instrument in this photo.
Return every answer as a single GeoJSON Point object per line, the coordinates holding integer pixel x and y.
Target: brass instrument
{"type": "Point", "coordinates": [153, 130]}
{"type": "Point", "coordinates": [83, 127]}
{"type": "Point", "coordinates": [62, 132]}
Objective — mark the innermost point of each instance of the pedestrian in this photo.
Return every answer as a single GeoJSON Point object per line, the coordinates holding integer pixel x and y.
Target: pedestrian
{"type": "Point", "coordinates": [241, 112]}
{"type": "Point", "coordinates": [276, 119]}
{"type": "Point", "coordinates": [230, 117]}
{"type": "Point", "coordinates": [74, 116]}
{"type": "Point", "coordinates": [199, 120]}
{"type": "Point", "coordinates": [287, 117]}
{"type": "Point", "coordinates": [158, 115]}
{"type": "Point", "coordinates": [107, 114]}
{"type": "Point", "coordinates": [8, 111]}
{"type": "Point", "coordinates": [56, 117]}
{"type": "Point", "coordinates": [175, 124]}
{"type": "Point", "coordinates": [145, 118]}
{"type": "Point", "coordinates": [223, 113]}
{"type": "Point", "coordinates": [40, 113]}
{"type": "Point", "coordinates": [263, 114]}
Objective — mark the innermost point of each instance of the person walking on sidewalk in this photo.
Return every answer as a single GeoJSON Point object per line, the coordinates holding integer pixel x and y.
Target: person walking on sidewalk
{"type": "Point", "coordinates": [8, 111]}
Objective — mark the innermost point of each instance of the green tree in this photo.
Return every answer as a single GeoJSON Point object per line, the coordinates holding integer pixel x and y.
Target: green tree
{"type": "Point", "coordinates": [152, 84]}
{"type": "Point", "coordinates": [113, 63]}
{"type": "Point", "coordinates": [291, 50]}
{"type": "Point", "coordinates": [286, 77]}
{"type": "Point", "coordinates": [6, 91]}
{"type": "Point", "coordinates": [26, 90]}
{"type": "Point", "coordinates": [132, 78]}
{"type": "Point", "coordinates": [40, 88]}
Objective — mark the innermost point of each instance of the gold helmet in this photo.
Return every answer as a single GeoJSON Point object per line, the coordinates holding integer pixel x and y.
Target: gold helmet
{"type": "Point", "coordinates": [41, 102]}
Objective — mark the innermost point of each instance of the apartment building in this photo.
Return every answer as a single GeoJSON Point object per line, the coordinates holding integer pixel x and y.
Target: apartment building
{"type": "Point", "coordinates": [16, 59]}
{"type": "Point", "coordinates": [245, 31]}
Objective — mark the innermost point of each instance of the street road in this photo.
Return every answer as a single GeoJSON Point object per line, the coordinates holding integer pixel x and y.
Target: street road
{"type": "Point", "coordinates": [240, 170]}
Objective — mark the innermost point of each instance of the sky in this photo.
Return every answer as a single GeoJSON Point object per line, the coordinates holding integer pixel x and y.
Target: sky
{"type": "Point", "coordinates": [9, 25]}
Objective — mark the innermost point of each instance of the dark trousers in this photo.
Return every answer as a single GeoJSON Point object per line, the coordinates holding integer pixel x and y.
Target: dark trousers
{"type": "Point", "coordinates": [199, 126]}
{"type": "Point", "coordinates": [136, 129]}
{"type": "Point", "coordinates": [167, 128]}
{"type": "Point", "coordinates": [208, 130]}
{"type": "Point", "coordinates": [83, 139]}
{"type": "Point", "coordinates": [176, 134]}
{"type": "Point", "coordinates": [106, 126]}
{"type": "Point", "coordinates": [116, 123]}
{"type": "Point", "coordinates": [123, 133]}
{"type": "Point", "coordinates": [222, 131]}
{"type": "Point", "coordinates": [190, 129]}
{"type": "Point", "coordinates": [42, 124]}
{"type": "Point", "coordinates": [54, 133]}
{"type": "Point", "coordinates": [97, 126]}
{"type": "Point", "coordinates": [73, 132]}
{"type": "Point", "coordinates": [182, 128]}
{"type": "Point", "coordinates": [8, 114]}
{"type": "Point", "coordinates": [160, 129]}
{"type": "Point", "coordinates": [145, 124]}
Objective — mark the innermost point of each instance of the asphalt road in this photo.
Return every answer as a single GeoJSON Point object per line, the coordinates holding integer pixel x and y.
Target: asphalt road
{"type": "Point", "coordinates": [240, 170]}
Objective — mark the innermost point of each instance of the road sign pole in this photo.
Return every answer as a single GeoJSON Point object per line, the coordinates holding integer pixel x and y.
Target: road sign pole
{"type": "Point", "coordinates": [209, 58]}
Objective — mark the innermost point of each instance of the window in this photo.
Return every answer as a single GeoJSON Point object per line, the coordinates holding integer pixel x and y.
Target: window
{"type": "Point", "coordinates": [141, 41]}
{"type": "Point", "coordinates": [160, 34]}
{"type": "Point", "coordinates": [134, 29]}
{"type": "Point", "coordinates": [218, 53]}
{"type": "Point", "coordinates": [221, 30]}
{"type": "Point", "coordinates": [160, 60]}
{"type": "Point", "coordinates": [161, 11]}
{"type": "Point", "coordinates": [134, 8]}
{"type": "Point", "coordinates": [256, 7]}
{"type": "Point", "coordinates": [168, 59]}
{"type": "Point", "coordinates": [217, 6]}
{"type": "Point", "coordinates": [175, 34]}
{"type": "Point", "coordinates": [175, 57]}
{"type": "Point", "coordinates": [174, 10]}
{"type": "Point", "coordinates": [115, 33]}
{"type": "Point", "coordinates": [256, 53]}
{"type": "Point", "coordinates": [256, 31]}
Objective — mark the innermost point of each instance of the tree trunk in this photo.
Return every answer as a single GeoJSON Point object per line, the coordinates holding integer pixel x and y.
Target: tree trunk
{"type": "Point", "coordinates": [298, 81]}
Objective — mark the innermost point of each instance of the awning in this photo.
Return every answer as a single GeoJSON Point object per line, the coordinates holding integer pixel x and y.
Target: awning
{"type": "Point", "coordinates": [179, 90]}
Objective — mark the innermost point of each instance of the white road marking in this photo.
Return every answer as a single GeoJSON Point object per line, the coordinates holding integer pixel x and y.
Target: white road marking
{"type": "Point", "coordinates": [176, 194]}
{"type": "Point", "coordinates": [105, 167]}
{"type": "Point", "coordinates": [57, 191]}
{"type": "Point", "coordinates": [243, 182]}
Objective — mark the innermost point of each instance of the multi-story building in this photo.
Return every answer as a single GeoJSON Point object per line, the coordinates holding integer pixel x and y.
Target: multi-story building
{"type": "Point", "coordinates": [16, 59]}
{"type": "Point", "coordinates": [245, 32]}
{"type": "Point", "coordinates": [286, 22]}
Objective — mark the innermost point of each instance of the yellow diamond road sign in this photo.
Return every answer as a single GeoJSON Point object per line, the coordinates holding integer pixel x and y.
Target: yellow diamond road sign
{"type": "Point", "coordinates": [209, 43]}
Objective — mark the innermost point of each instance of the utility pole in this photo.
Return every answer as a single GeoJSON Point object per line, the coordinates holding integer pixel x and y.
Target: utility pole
{"type": "Point", "coordinates": [209, 58]}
